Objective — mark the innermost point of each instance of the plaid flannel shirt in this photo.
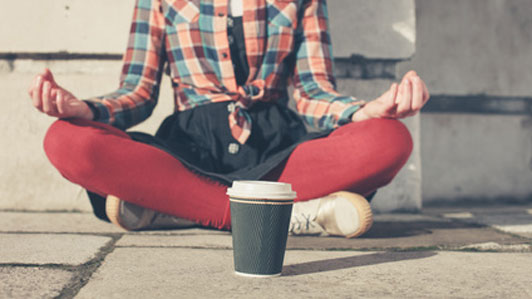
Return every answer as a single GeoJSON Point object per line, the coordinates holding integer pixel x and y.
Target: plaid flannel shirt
{"type": "Point", "coordinates": [286, 41]}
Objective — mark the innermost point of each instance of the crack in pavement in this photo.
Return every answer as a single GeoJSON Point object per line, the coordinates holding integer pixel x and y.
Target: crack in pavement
{"type": "Point", "coordinates": [83, 273]}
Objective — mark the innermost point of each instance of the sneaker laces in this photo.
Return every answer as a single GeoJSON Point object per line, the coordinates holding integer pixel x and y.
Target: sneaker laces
{"type": "Point", "coordinates": [301, 222]}
{"type": "Point", "coordinates": [304, 223]}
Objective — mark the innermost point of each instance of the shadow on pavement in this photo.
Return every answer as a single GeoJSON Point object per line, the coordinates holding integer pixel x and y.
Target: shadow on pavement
{"type": "Point", "coordinates": [353, 261]}
{"type": "Point", "coordinates": [385, 230]}
{"type": "Point", "coordinates": [411, 235]}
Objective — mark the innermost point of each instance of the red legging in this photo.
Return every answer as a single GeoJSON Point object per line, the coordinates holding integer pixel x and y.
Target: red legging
{"type": "Point", "coordinates": [358, 157]}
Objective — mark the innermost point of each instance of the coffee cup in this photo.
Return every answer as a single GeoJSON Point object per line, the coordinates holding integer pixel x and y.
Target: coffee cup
{"type": "Point", "coordinates": [260, 219]}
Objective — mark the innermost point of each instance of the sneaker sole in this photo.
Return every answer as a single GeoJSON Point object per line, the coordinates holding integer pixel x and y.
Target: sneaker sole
{"type": "Point", "coordinates": [364, 212]}
{"type": "Point", "coordinates": [112, 209]}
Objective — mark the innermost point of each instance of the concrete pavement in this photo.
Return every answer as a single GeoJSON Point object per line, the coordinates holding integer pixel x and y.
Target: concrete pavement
{"type": "Point", "coordinates": [451, 252]}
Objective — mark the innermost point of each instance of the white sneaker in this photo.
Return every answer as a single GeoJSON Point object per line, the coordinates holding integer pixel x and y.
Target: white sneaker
{"type": "Point", "coordinates": [132, 217]}
{"type": "Point", "coordinates": [338, 214]}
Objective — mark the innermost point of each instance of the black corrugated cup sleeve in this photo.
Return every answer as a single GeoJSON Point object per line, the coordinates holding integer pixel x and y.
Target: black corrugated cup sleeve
{"type": "Point", "coordinates": [260, 229]}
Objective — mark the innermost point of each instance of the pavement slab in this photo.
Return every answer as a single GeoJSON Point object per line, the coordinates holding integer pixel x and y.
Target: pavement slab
{"type": "Point", "coordinates": [59, 222]}
{"type": "Point", "coordinates": [204, 273]}
{"type": "Point", "coordinates": [54, 223]}
{"type": "Point", "coordinates": [514, 219]}
{"type": "Point", "coordinates": [521, 230]}
{"type": "Point", "coordinates": [402, 232]}
{"type": "Point", "coordinates": [42, 249]}
{"type": "Point", "coordinates": [518, 224]}
{"type": "Point", "coordinates": [414, 235]}
{"type": "Point", "coordinates": [34, 282]}
{"type": "Point", "coordinates": [384, 235]}
{"type": "Point", "coordinates": [476, 209]}
{"type": "Point", "coordinates": [189, 241]}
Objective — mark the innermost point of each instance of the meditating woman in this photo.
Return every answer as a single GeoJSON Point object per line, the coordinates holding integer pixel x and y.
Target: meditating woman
{"type": "Point", "coordinates": [230, 63]}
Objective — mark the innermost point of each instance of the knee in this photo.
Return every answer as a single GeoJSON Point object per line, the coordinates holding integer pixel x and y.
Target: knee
{"type": "Point", "coordinates": [70, 148]}
{"type": "Point", "coordinates": [397, 138]}
{"type": "Point", "coordinates": [387, 136]}
{"type": "Point", "coordinates": [55, 140]}
{"type": "Point", "coordinates": [395, 146]}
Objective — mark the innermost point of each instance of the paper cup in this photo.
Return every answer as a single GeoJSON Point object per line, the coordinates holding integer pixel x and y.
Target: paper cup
{"type": "Point", "coordinates": [260, 218]}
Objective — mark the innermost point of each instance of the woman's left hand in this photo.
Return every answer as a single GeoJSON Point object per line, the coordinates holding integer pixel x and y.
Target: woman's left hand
{"type": "Point", "coordinates": [400, 101]}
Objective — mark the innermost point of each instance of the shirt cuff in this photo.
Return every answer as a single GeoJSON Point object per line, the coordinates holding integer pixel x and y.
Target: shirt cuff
{"type": "Point", "coordinates": [99, 111]}
{"type": "Point", "coordinates": [347, 114]}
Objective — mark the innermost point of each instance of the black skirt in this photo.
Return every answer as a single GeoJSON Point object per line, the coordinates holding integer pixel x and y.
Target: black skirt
{"type": "Point", "coordinates": [200, 138]}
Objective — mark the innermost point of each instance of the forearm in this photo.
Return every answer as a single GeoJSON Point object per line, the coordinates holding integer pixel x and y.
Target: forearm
{"type": "Point", "coordinates": [325, 109]}
{"type": "Point", "coordinates": [137, 95]}
{"type": "Point", "coordinates": [315, 89]}
{"type": "Point", "coordinates": [125, 107]}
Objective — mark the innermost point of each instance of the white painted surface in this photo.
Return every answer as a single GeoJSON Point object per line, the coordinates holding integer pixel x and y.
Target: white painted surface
{"type": "Point", "coordinates": [101, 26]}
{"type": "Point", "coordinates": [75, 26]}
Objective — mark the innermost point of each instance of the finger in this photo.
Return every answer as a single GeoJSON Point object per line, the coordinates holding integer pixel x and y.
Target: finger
{"type": "Point", "coordinates": [49, 76]}
{"type": "Point", "coordinates": [60, 102]}
{"type": "Point", "coordinates": [426, 94]}
{"type": "Point", "coordinates": [53, 96]}
{"type": "Point", "coordinates": [393, 92]}
{"type": "Point", "coordinates": [417, 94]}
{"type": "Point", "coordinates": [45, 94]}
{"type": "Point", "coordinates": [48, 103]}
{"type": "Point", "coordinates": [411, 74]}
{"type": "Point", "coordinates": [400, 90]}
{"type": "Point", "coordinates": [406, 99]}
{"type": "Point", "coordinates": [391, 97]}
{"type": "Point", "coordinates": [53, 100]}
{"type": "Point", "coordinates": [37, 93]}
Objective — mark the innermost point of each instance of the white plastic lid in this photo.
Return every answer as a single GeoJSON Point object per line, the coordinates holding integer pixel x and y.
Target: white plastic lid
{"type": "Point", "coordinates": [261, 189]}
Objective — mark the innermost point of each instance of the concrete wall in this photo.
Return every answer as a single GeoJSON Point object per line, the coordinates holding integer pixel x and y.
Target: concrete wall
{"type": "Point", "coordinates": [476, 157]}
{"type": "Point", "coordinates": [374, 29]}
{"type": "Point", "coordinates": [466, 49]}
{"type": "Point", "coordinates": [62, 29]}
{"type": "Point", "coordinates": [474, 46]}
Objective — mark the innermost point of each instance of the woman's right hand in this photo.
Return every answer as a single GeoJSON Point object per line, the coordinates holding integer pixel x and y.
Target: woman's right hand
{"type": "Point", "coordinates": [400, 101]}
{"type": "Point", "coordinates": [50, 98]}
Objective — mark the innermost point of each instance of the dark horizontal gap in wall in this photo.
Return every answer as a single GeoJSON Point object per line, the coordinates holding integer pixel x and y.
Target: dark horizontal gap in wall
{"type": "Point", "coordinates": [364, 68]}
{"type": "Point", "coordinates": [60, 56]}
{"type": "Point", "coordinates": [482, 104]}
{"type": "Point", "coordinates": [355, 67]}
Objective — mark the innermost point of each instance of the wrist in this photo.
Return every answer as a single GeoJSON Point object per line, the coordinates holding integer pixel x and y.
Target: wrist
{"type": "Point", "coordinates": [86, 111]}
{"type": "Point", "coordinates": [360, 115]}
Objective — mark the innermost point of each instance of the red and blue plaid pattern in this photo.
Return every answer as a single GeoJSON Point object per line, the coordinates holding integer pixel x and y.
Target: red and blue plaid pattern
{"type": "Point", "coordinates": [285, 39]}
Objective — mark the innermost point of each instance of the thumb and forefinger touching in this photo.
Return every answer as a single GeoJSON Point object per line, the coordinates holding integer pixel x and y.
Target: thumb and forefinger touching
{"type": "Point", "coordinates": [43, 92]}
{"type": "Point", "coordinates": [411, 96]}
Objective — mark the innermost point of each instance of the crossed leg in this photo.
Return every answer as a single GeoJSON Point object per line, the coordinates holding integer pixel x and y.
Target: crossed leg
{"type": "Point", "coordinates": [359, 157]}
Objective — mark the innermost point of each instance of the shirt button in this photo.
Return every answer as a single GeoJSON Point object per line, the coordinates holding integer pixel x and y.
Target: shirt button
{"type": "Point", "coordinates": [221, 14]}
{"type": "Point", "coordinates": [224, 55]}
{"type": "Point", "coordinates": [231, 108]}
{"type": "Point", "coordinates": [233, 148]}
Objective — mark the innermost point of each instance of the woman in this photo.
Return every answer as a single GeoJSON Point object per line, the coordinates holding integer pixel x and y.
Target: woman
{"type": "Point", "coordinates": [230, 62]}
